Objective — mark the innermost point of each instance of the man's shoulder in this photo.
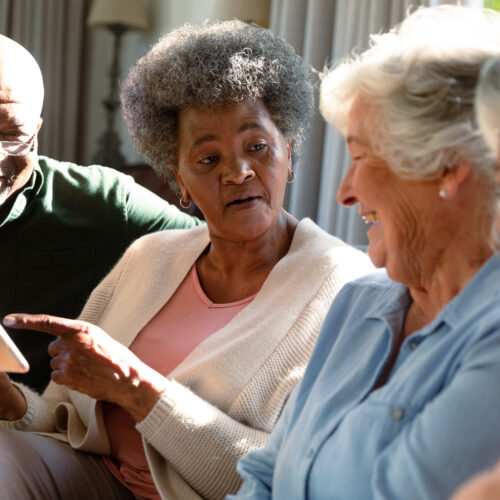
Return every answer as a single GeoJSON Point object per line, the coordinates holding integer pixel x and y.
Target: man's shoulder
{"type": "Point", "coordinates": [94, 176]}
{"type": "Point", "coordinates": [68, 183]}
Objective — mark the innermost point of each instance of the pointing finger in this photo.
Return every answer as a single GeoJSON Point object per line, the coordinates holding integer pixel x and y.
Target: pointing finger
{"type": "Point", "coordinates": [54, 325]}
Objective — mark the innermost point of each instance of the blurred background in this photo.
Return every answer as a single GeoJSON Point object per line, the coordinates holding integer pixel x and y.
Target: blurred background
{"type": "Point", "coordinates": [86, 47]}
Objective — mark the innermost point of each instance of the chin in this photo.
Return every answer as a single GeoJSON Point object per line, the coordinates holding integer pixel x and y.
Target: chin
{"type": "Point", "coordinates": [377, 256]}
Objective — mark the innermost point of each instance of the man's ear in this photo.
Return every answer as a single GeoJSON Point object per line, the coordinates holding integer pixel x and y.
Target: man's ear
{"type": "Point", "coordinates": [453, 178]}
{"type": "Point", "coordinates": [289, 147]}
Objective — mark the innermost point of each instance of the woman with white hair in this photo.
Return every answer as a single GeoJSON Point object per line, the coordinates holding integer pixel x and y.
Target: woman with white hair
{"type": "Point", "coordinates": [400, 398]}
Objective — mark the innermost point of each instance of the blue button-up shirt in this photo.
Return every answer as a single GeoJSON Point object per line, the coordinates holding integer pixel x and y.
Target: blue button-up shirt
{"type": "Point", "coordinates": [433, 424]}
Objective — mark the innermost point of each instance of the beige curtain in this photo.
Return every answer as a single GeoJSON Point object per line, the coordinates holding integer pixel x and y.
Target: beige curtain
{"type": "Point", "coordinates": [323, 31]}
{"type": "Point", "coordinates": [54, 32]}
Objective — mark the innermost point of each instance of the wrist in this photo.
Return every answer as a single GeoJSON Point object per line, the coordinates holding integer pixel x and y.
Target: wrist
{"type": "Point", "coordinates": [145, 394]}
{"type": "Point", "coordinates": [16, 406]}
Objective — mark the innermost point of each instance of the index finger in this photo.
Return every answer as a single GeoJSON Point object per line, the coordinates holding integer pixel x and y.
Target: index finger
{"type": "Point", "coordinates": [61, 327]}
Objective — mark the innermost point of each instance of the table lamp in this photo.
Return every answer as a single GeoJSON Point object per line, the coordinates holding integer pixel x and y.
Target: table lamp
{"type": "Point", "coordinates": [118, 16]}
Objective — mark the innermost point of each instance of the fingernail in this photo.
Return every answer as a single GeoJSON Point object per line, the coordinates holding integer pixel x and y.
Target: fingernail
{"type": "Point", "coordinates": [9, 321]}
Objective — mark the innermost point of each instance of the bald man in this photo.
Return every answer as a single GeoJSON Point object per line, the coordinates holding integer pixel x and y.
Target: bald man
{"type": "Point", "coordinates": [62, 227]}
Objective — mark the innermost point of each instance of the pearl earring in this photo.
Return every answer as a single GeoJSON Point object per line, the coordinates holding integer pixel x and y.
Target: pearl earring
{"type": "Point", "coordinates": [443, 193]}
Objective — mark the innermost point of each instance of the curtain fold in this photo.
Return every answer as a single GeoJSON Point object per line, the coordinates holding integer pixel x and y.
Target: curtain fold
{"type": "Point", "coordinates": [54, 32]}
{"type": "Point", "coordinates": [324, 31]}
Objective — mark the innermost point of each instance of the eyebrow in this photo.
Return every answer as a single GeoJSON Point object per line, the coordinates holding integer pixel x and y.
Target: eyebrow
{"type": "Point", "coordinates": [352, 138]}
{"type": "Point", "coordinates": [250, 125]}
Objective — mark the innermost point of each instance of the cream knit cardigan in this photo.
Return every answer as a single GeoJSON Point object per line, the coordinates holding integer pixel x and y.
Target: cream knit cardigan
{"type": "Point", "coordinates": [224, 399]}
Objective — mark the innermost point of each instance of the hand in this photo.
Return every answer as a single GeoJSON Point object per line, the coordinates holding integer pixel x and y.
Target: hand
{"type": "Point", "coordinates": [12, 402]}
{"type": "Point", "coordinates": [86, 359]}
{"type": "Point", "coordinates": [485, 486]}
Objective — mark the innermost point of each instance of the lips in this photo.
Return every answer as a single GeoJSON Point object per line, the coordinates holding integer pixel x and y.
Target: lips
{"type": "Point", "coordinates": [241, 198]}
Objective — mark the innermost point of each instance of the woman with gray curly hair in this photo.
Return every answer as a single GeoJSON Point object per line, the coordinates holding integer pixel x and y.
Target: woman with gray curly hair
{"type": "Point", "coordinates": [400, 397]}
{"type": "Point", "coordinates": [207, 331]}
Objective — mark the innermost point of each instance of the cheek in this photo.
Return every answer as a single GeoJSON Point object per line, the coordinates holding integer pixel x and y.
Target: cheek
{"type": "Point", "coordinates": [404, 215]}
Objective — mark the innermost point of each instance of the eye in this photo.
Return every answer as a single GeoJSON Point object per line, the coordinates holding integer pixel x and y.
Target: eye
{"type": "Point", "coordinates": [208, 160]}
{"type": "Point", "coordinates": [258, 146]}
{"type": "Point", "coordinates": [356, 157]}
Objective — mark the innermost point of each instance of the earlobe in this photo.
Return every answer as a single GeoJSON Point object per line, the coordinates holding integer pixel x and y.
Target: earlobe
{"type": "Point", "coordinates": [452, 179]}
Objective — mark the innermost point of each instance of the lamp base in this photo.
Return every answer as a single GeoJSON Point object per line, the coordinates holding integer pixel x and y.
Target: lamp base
{"type": "Point", "coordinates": [108, 153]}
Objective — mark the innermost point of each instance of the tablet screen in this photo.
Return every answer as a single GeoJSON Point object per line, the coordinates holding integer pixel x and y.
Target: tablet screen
{"type": "Point", "coordinates": [11, 359]}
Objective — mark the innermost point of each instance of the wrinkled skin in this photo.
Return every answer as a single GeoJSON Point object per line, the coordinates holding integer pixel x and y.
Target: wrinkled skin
{"type": "Point", "coordinates": [88, 360]}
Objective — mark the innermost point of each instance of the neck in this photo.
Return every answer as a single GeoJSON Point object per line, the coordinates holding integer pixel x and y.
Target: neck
{"type": "Point", "coordinates": [233, 270]}
{"type": "Point", "coordinates": [265, 250]}
{"type": "Point", "coordinates": [440, 283]}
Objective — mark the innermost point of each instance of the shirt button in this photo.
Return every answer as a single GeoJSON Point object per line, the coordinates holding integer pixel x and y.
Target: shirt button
{"type": "Point", "coordinates": [397, 413]}
{"type": "Point", "coordinates": [310, 453]}
{"type": "Point", "coordinates": [413, 345]}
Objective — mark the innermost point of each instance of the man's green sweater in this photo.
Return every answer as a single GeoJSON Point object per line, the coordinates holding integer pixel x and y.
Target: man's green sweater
{"type": "Point", "coordinates": [60, 235]}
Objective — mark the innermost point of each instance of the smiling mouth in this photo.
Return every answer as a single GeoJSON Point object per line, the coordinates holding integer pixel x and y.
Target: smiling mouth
{"type": "Point", "coordinates": [370, 218]}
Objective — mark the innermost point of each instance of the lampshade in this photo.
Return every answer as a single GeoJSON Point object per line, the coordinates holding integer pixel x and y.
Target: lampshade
{"type": "Point", "coordinates": [246, 10]}
{"type": "Point", "coordinates": [128, 13]}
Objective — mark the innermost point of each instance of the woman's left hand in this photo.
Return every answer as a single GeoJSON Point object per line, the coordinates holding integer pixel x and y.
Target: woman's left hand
{"type": "Point", "coordinates": [86, 359]}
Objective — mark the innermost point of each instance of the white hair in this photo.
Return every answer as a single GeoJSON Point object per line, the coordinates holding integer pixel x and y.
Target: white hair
{"type": "Point", "coordinates": [488, 104]}
{"type": "Point", "coordinates": [421, 78]}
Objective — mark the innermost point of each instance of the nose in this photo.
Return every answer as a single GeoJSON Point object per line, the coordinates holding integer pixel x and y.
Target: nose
{"type": "Point", "coordinates": [345, 193]}
{"type": "Point", "coordinates": [237, 171]}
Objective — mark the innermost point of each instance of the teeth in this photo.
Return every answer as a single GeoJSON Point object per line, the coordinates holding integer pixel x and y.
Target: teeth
{"type": "Point", "coordinates": [371, 217]}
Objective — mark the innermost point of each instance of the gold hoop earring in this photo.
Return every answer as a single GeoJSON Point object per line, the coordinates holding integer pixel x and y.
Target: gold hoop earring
{"type": "Point", "coordinates": [291, 177]}
{"type": "Point", "coordinates": [185, 204]}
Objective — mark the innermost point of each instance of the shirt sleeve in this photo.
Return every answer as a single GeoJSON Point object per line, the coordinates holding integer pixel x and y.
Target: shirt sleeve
{"type": "Point", "coordinates": [146, 212]}
{"type": "Point", "coordinates": [454, 436]}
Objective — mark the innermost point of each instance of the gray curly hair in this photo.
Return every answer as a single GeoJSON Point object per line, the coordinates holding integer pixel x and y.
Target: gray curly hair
{"type": "Point", "coordinates": [212, 65]}
{"type": "Point", "coordinates": [421, 76]}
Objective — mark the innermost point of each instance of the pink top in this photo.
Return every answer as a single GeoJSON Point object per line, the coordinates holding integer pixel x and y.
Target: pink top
{"type": "Point", "coordinates": [188, 318]}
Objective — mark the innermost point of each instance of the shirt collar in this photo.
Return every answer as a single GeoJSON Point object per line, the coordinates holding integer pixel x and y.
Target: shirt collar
{"type": "Point", "coordinates": [16, 205]}
{"type": "Point", "coordinates": [483, 290]}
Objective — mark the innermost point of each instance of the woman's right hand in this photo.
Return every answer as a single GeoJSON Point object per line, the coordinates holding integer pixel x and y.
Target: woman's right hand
{"type": "Point", "coordinates": [12, 402]}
